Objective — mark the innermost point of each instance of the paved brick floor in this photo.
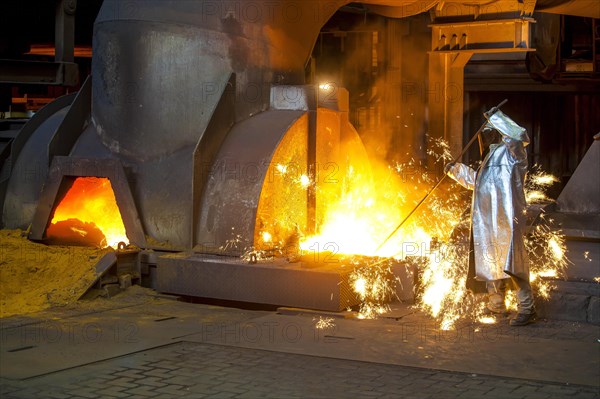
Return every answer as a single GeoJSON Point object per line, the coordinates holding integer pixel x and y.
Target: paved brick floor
{"type": "Point", "coordinates": [197, 370]}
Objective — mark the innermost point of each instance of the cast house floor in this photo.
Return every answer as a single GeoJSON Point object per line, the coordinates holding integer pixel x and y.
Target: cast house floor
{"type": "Point", "coordinates": [140, 344]}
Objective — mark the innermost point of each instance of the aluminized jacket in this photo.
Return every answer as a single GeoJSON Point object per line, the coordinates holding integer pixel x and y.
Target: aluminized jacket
{"type": "Point", "coordinates": [498, 206]}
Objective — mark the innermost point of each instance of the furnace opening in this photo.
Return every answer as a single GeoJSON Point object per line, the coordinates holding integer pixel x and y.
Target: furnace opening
{"type": "Point", "coordinates": [88, 214]}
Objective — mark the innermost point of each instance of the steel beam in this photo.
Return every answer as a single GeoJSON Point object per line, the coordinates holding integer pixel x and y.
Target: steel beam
{"type": "Point", "coordinates": [64, 30]}
{"type": "Point", "coordinates": [24, 172]}
{"type": "Point", "coordinates": [452, 45]}
{"type": "Point", "coordinates": [38, 72]}
{"type": "Point", "coordinates": [74, 123]}
{"type": "Point", "coordinates": [63, 71]}
{"type": "Point", "coordinates": [275, 282]}
{"type": "Point", "coordinates": [492, 36]}
{"type": "Point", "coordinates": [446, 97]}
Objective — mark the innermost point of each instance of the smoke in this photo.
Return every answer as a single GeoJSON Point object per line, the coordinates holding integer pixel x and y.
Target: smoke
{"type": "Point", "coordinates": [383, 64]}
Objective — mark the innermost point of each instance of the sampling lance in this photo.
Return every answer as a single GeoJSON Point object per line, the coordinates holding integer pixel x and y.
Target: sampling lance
{"type": "Point", "coordinates": [487, 114]}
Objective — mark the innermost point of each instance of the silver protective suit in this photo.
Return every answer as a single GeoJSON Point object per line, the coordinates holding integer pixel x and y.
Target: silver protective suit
{"type": "Point", "coordinates": [498, 205]}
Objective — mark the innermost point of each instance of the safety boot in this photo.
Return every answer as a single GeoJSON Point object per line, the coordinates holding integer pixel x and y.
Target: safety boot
{"type": "Point", "coordinates": [522, 319]}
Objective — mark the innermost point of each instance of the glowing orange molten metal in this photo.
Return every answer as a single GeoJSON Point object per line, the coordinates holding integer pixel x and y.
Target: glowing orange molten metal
{"type": "Point", "coordinates": [90, 204]}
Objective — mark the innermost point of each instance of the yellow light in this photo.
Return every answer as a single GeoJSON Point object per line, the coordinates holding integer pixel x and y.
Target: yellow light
{"type": "Point", "coordinates": [556, 248]}
{"type": "Point", "coordinates": [304, 181]}
{"type": "Point", "coordinates": [374, 198]}
{"type": "Point", "coordinates": [545, 179]}
{"type": "Point", "coordinates": [281, 168]}
{"type": "Point", "coordinates": [535, 195]}
{"type": "Point", "coordinates": [266, 236]}
{"type": "Point", "coordinates": [510, 300]}
{"type": "Point", "coordinates": [548, 273]}
{"type": "Point", "coordinates": [360, 287]}
{"type": "Point", "coordinates": [324, 323]}
{"type": "Point", "coordinates": [92, 200]}
{"type": "Point", "coordinates": [325, 86]}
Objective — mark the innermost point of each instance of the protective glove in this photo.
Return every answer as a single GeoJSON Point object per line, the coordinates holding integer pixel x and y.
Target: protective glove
{"type": "Point", "coordinates": [488, 127]}
{"type": "Point", "coordinates": [448, 166]}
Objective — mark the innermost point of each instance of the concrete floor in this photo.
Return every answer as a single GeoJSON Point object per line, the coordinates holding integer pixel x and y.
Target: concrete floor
{"type": "Point", "coordinates": [151, 345]}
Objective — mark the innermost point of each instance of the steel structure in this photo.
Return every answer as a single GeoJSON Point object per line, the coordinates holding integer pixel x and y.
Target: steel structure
{"type": "Point", "coordinates": [181, 89]}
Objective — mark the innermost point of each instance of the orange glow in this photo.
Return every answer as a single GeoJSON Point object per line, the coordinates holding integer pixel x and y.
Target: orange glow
{"type": "Point", "coordinates": [369, 202]}
{"type": "Point", "coordinates": [374, 199]}
{"type": "Point", "coordinates": [92, 200]}
{"type": "Point", "coordinates": [49, 50]}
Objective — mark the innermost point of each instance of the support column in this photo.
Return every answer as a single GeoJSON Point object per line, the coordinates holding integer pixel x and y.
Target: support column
{"type": "Point", "coordinates": [446, 97]}
{"type": "Point", "coordinates": [64, 30]}
{"type": "Point", "coordinates": [311, 195]}
{"type": "Point", "coordinates": [452, 45]}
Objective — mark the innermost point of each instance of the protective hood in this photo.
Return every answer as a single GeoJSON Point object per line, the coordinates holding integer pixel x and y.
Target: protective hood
{"type": "Point", "coordinates": [508, 127]}
{"type": "Point", "coordinates": [487, 137]}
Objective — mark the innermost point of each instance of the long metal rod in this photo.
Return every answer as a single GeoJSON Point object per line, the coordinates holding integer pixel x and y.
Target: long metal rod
{"type": "Point", "coordinates": [487, 115]}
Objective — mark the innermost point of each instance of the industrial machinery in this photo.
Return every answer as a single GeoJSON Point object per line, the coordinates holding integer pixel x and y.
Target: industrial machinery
{"type": "Point", "coordinates": [198, 114]}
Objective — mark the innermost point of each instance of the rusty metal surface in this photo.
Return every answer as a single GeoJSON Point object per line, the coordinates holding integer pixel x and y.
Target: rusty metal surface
{"type": "Point", "coordinates": [155, 85]}
{"type": "Point", "coordinates": [192, 55]}
{"type": "Point", "coordinates": [61, 176]}
{"type": "Point", "coordinates": [230, 201]}
{"type": "Point", "coordinates": [258, 186]}
{"type": "Point", "coordinates": [282, 207]}
{"type": "Point", "coordinates": [582, 192]}
{"type": "Point", "coordinates": [187, 52]}
{"type": "Point", "coordinates": [208, 147]}
{"type": "Point", "coordinates": [52, 131]}
{"type": "Point", "coordinates": [258, 36]}
{"type": "Point", "coordinates": [28, 164]}
{"type": "Point", "coordinates": [275, 283]}
{"type": "Point", "coordinates": [142, 49]}
{"type": "Point", "coordinates": [74, 123]}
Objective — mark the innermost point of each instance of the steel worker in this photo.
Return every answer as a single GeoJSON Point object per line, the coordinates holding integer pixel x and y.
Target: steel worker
{"type": "Point", "coordinates": [498, 215]}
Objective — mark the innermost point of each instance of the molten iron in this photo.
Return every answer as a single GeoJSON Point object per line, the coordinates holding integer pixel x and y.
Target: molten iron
{"type": "Point", "coordinates": [88, 215]}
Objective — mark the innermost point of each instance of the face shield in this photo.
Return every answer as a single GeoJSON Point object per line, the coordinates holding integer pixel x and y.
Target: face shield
{"type": "Point", "coordinates": [487, 137]}
{"type": "Point", "coordinates": [508, 127]}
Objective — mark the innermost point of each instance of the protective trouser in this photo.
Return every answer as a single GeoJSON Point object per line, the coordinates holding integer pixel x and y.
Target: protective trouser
{"type": "Point", "coordinates": [497, 288]}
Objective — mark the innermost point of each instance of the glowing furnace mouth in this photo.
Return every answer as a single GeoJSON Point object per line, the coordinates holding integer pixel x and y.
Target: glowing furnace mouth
{"type": "Point", "coordinates": [88, 215]}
